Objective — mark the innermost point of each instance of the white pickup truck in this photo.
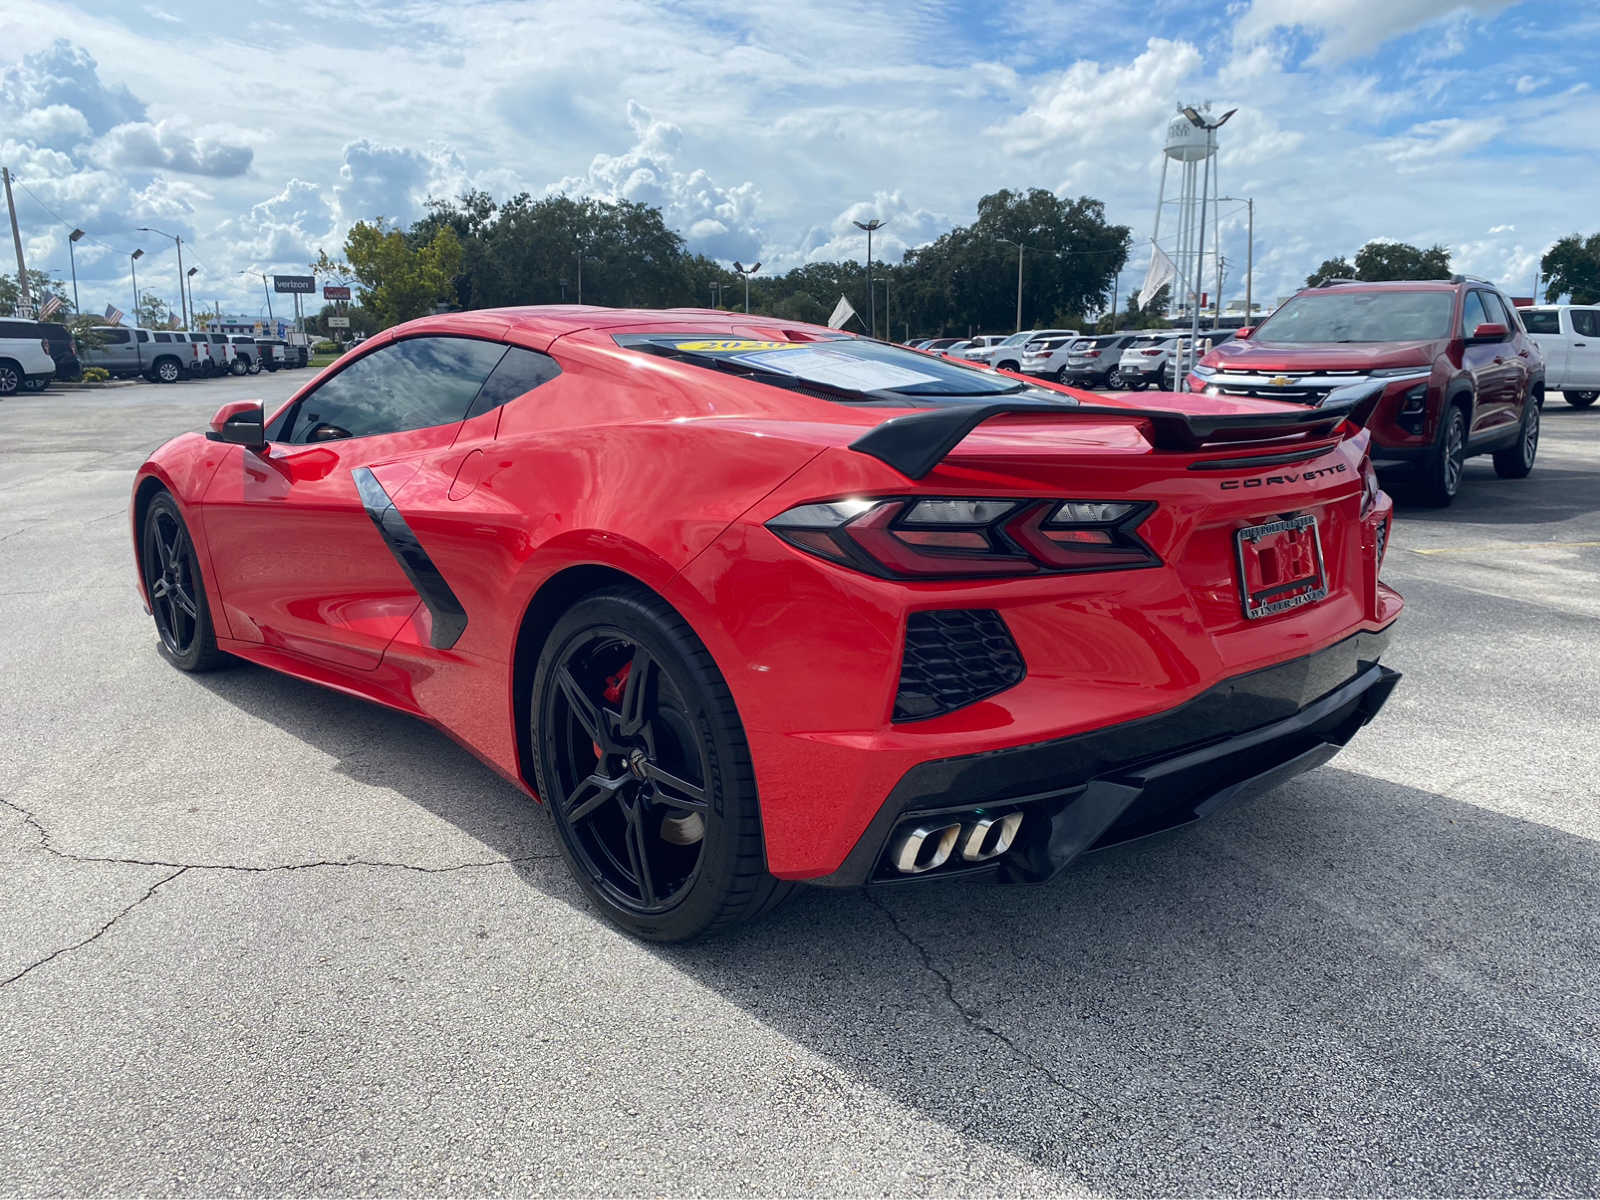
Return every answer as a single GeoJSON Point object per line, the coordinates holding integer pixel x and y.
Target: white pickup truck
{"type": "Point", "coordinates": [1569, 335]}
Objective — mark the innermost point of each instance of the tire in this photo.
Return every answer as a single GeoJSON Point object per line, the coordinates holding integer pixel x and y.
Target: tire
{"type": "Point", "coordinates": [253, 367]}
{"type": "Point", "coordinates": [1114, 379]}
{"type": "Point", "coordinates": [176, 589]}
{"type": "Point", "coordinates": [11, 378]}
{"type": "Point", "coordinates": [642, 762]}
{"type": "Point", "coordinates": [1442, 469]}
{"type": "Point", "coordinates": [167, 370]}
{"type": "Point", "coordinates": [1515, 462]}
{"type": "Point", "coordinates": [237, 367]}
{"type": "Point", "coordinates": [1581, 399]}
{"type": "Point", "coordinates": [1061, 376]}
{"type": "Point", "coordinates": [1135, 385]}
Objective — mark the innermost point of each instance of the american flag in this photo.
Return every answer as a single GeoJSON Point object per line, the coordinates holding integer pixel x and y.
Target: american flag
{"type": "Point", "coordinates": [49, 306]}
{"type": "Point", "coordinates": [113, 314]}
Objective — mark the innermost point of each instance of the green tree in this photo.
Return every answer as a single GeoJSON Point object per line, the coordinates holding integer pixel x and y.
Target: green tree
{"type": "Point", "coordinates": [399, 281]}
{"type": "Point", "coordinates": [1397, 260]}
{"type": "Point", "coordinates": [40, 287]}
{"type": "Point", "coordinates": [154, 313]}
{"type": "Point", "coordinates": [1331, 268]}
{"type": "Point", "coordinates": [1572, 268]}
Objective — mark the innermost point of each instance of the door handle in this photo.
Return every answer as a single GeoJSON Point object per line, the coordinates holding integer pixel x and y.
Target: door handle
{"type": "Point", "coordinates": [1498, 358]}
{"type": "Point", "coordinates": [1580, 345]}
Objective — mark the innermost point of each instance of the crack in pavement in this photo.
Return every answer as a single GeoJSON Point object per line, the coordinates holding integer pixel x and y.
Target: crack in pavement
{"type": "Point", "coordinates": [44, 844]}
{"type": "Point", "coordinates": [970, 1016]}
{"type": "Point", "coordinates": [55, 954]}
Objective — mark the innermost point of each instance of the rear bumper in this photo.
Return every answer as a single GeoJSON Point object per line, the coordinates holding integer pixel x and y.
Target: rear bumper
{"type": "Point", "coordinates": [1244, 736]}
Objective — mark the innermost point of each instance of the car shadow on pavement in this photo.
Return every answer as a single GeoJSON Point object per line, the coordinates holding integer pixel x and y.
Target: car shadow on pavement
{"type": "Point", "coordinates": [1346, 986]}
{"type": "Point", "coordinates": [1549, 494]}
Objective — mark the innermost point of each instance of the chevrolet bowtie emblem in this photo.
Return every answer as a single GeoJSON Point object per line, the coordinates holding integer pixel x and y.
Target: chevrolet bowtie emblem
{"type": "Point", "coordinates": [1280, 380]}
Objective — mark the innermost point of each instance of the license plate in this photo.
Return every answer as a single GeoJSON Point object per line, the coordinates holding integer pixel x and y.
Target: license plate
{"type": "Point", "coordinates": [1280, 566]}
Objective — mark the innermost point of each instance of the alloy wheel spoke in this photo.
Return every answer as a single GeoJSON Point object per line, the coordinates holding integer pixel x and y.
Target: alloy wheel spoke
{"type": "Point", "coordinates": [186, 602]}
{"type": "Point", "coordinates": [592, 792]}
{"type": "Point", "coordinates": [180, 545]}
{"type": "Point", "coordinates": [584, 710]}
{"type": "Point", "coordinates": [158, 589]}
{"type": "Point", "coordinates": [635, 692]}
{"type": "Point", "coordinates": [639, 855]}
{"type": "Point", "coordinates": [672, 792]}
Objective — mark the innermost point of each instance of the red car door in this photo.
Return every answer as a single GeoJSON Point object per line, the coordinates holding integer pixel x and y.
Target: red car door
{"type": "Point", "coordinates": [1493, 378]}
{"type": "Point", "coordinates": [294, 531]}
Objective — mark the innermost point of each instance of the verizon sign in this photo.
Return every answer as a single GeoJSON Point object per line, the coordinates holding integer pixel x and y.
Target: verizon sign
{"type": "Point", "coordinates": [332, 291]}
{"type": "Point", "coordinates": [294, 283]}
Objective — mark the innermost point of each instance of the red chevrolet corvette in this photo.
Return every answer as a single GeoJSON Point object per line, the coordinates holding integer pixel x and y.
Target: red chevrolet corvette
{"type": "Point", "coordinates": [749, 603]}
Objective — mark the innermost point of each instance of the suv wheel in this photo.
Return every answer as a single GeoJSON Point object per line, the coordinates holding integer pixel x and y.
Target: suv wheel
{"type": "Point", "coordinates": [10, 378]}
{"type": "Point", "coordinates": [1514, 462]}
{"type": "Point", "coordinates": [1581, 399]}
{"type": "Point", "coordinates": [167, 371]}
{"type": "Point", "coordinates": [1441, 478]}
{"type": "Point", "coordinates": [1114, 379]}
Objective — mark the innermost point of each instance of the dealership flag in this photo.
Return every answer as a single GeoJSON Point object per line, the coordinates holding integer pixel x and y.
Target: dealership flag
{"type": "Point", "coordinates": [113, 314]}
{"type": "Point", "coordinates": [49, 306]}
{"type": "Point", "coordinates": [1160, 274]}
{"type": "Point", "coordinates": [842, 312]}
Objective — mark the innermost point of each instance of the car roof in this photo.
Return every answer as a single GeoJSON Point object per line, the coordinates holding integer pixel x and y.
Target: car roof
{"type": "Point", "coordinates": [1398, 285]}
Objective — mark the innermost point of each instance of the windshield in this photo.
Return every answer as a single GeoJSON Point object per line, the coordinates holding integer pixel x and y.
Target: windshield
{"type": "Point", "coordinates": [850, 367]}
{"type": "Point", "coordinates": [1341, 316]}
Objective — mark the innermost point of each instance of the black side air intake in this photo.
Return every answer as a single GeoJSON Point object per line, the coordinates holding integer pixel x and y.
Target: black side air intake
{"type": "Point", "coordinates": [954, 657]}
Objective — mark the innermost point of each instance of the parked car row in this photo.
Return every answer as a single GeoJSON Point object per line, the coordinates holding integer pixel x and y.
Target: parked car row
{"type": "Point", "coordinates": [33, 353]}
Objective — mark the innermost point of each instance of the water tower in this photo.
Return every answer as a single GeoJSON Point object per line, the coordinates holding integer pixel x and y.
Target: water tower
{"type": "Point", "coordinates": [1191, 148]}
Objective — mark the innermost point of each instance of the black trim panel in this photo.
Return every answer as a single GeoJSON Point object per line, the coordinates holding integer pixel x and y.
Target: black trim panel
{"type": "Point", "coordinates": [449, 618]}
{"type": "Point", "coordinates": [1225, 736]}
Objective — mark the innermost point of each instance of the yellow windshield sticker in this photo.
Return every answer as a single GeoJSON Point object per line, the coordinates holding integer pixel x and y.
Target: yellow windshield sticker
{"type": "Point", "coordinates": [736, 347]}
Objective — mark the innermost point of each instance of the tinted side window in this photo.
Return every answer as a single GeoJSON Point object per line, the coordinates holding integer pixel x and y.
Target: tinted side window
{"type": "Point", "coordinates": [519, 372]}
{"type": "Point", "coordinates": [19, 329]}
{"type": "Point", "coordinates": [1492, 307]}
{"type": "Point", "coordinates": [1541, 322]}
{"type": "Point", "coordinates": [1472, 314]}
{"type": "Point", "coordinates": [1586, 322]}
{"type": "Point", "coordinates": [405, 385]}
{"type": "Point", "coordinates": [143, 336]}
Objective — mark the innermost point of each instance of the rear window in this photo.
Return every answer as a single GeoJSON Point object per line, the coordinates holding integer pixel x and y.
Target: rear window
{"type": "Point", "coordinates": [244, 340]}
{"type": "Point", "coordinates": [1352, 316]}
{"type": "Point", "coordinates": [846, 368]}
{"type": "Point", "coordinates": [114, 337]}
{"type": "Point", "coordinates": [20, 329]}
{"type": "Point", "coordinates": [1537, 321]}
{"type": "Point", "coordinates": [219, 339]}
{"type": "Point", "coordinates": [1144, 343]}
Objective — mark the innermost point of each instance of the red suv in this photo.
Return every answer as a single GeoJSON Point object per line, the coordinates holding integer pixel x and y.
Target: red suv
{"type": "Point", "coordinates": [1461, 375]}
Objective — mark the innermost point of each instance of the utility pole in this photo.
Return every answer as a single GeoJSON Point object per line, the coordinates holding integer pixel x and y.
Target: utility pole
{"type": "Point", "coordinates": [1115, 280]}
{"type": "Point", "coordinates": [177, 240]}
{"type": "Point", "coordinates": [24, 300]}
{"type": "Point", "coordinates": [1019, 247]}
{"type": "Point", "coordinates": [580, 276]}
{"type": "Point", "coordinates": [134, 271]}
{"type": "Point", "coordinates": [872, 296]}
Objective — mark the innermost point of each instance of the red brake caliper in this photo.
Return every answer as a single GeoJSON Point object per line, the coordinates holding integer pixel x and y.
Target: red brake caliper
{"type": "Point", "coordinates": [613, 692]}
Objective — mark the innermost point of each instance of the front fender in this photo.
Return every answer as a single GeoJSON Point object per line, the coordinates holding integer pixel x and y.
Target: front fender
{"type": "Point", "coordinates": [182, 467]}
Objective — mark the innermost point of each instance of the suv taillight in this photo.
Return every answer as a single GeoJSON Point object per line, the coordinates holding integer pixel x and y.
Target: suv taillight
{"type": "Point", "coordinates": [910, 537]}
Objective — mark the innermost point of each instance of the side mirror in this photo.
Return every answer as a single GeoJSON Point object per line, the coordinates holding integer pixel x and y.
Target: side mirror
{"type": "Point", "coordinates": [1489, 333]}
{"type": "Point", "coordinates": [1245, 332]}
{"type": "Point", "coordinates": [240, 423]}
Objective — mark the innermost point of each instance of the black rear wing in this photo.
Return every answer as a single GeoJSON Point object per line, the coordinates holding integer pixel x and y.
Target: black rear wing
{"type": "Point", "coordinates": [917, 442]}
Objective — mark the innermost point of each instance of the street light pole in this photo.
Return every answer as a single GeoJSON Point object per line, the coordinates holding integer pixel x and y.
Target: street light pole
{"type": "Point", "coordinates": [872, 296]}
{"type": "Point", "coordinates": [888, 317]}
{"type": "Point", "coordinates": [1211, 128]}
{"type": "Point", "coordinates": [134, 271]}
{"type": "Point", "coordinates": [746, 272]}
{"type": "Point", "coordinates": [177, 240]}
{"type": "Point", "coordinates": [72, 240]}
{"type": "Point", "coordinates": [1020, 248]}
{"type": "Point", "coordinates": [189, 275]}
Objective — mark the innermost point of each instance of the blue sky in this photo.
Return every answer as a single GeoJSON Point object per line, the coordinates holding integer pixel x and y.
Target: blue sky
{"type": "Point", "coordinates": [763, 129]}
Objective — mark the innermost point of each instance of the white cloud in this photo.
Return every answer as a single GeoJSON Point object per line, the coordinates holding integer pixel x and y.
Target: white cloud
{"type": "Point", "coordinates": [717, 221]}
{"type": "Point", "coordinates": [1352, 28]}
{"type": "Point", "coordinates": [904, 228]}
{"type": "Point", "coordinates": [1526, 84]}
{"type": "Point", "coordinates": [377, 180]}
{"type": "Point", "coordinates": [1093, 105]}
{"type": "Point", "coordinates": [1449, 137]}
{"type": "Point", "coordinates": [67, 75]}
{"type": "Point", "coordinates": [58, 125]}
{"type": "Point", "coordinates": [167, 145]}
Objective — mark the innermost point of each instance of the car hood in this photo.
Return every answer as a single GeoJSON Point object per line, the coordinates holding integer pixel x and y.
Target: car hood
{"type": "Point", "coordinates": [1252, 355]}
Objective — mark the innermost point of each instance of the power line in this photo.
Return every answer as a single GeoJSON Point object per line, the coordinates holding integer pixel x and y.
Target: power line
{"type": "Point", "coordinates": [63, 220]}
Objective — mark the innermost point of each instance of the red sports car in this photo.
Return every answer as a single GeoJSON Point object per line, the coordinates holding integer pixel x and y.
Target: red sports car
{"type": "Point", "coordinates": [750, 603]}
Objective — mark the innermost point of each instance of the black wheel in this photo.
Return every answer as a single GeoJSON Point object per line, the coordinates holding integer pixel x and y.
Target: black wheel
{"type": "Point", "coordinates": [237, 367]}
{"type": "Point", "coordinates": [177, 595]}
{"type": "Point", "coordinates": [1114, 379]}
{"type": "Point", "coordinates": [1134, 385]}
{"type": "Point", "coordinates": [168, 371]}
{"type": "Point", "coordinates": [1061, 375]}
{"type": "Point", "coordinates": [1514, 462]}
{"type": "Point", "coordinates": [1581, 399]}
{"type": "Point", "coordinates": [1441, 477]}
{"type": "Point", "coordinates": [11, 378]}
{"type": "Point", "coordinates": [640, 757]}
{"type": "Point", "coordinates": [253, 367]}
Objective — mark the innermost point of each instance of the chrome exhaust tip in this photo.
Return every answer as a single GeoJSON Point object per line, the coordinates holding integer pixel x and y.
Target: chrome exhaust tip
{"type": "Point", "coordinates": [990, 837]}
{"type": "Point", "coordinates": [924, 847]}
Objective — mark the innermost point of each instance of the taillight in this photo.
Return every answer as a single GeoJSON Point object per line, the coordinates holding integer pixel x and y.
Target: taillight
{"type": "Point", "coordinates": [908, 537]}
{"type": "Point", "coordinates": [1149, 353]}
{"type": "Point", "coordinates": [1091, 354]}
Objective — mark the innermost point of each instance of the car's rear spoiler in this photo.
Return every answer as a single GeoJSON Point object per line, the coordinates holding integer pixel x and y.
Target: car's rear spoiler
{"type": "Point", "coordinates": [917, 442]}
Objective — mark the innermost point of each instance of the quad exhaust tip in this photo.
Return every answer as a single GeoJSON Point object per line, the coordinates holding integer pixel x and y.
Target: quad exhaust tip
{"type": "Point", "coordinates": [930, 844]}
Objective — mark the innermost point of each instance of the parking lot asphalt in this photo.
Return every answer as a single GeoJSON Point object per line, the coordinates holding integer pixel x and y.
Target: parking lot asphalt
{"type": "Point", "coordinates": [260, 937]}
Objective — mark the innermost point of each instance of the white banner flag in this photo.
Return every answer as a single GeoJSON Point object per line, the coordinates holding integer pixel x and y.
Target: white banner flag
{"type": "Point", "coordinates": [1160, 274]}
{"type": "Point", "coordinates": [842, 312]}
